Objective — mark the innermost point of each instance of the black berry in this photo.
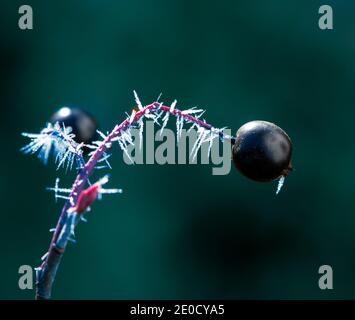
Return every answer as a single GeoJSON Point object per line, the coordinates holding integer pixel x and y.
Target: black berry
{"type": "Point", "coordinates": [262, 151]}
{"type": "Point", "coordinates": [83, 124]}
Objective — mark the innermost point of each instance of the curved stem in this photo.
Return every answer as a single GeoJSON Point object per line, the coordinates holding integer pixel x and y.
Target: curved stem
{"type": "Point", "coordinates": [47, 271]}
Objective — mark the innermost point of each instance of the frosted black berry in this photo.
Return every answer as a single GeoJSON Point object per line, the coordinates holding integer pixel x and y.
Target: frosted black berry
{"type": "Point", "coordinates": [262, 151]}
{"type": "Point", "coordinates": [83, 124]}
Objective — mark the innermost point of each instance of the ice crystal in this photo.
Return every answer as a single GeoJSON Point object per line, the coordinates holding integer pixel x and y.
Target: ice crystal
{"type": "Point", "coordinates": [280, 184]}
{"type": "Point", "coordinates": [203, 134]}
{"type": "Point", "coordinates": [139, 104]}
{"type": "Point", "coordinates": [58, 190]}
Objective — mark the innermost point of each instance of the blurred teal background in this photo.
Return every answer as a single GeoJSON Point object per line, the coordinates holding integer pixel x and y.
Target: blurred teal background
{"type": "Point", "coordinates": [177, 231]}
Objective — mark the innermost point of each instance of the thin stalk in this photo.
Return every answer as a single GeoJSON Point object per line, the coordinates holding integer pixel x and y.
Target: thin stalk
{"type": "Point", "coordinates": [46, 273]}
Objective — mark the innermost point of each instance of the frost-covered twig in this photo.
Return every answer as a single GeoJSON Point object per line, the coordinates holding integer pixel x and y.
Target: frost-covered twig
{"type": "Point", "coordinates": [79, 199]}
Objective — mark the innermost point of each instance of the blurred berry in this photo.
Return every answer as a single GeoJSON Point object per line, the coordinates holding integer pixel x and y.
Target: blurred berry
{"type": "Point", "coordinates": [262, 151]}
{"type": "Point", "coordinates": [83, 124]}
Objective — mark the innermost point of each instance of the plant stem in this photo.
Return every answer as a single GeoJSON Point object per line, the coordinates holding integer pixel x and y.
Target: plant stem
{"type": "Point", "coordinates": [47, 271]}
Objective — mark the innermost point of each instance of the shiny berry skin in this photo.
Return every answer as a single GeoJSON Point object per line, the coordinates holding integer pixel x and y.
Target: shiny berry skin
{"type": "Point", "coordinates": [83, 124]}
{"type": "Point", "coordinates": [262, 151]}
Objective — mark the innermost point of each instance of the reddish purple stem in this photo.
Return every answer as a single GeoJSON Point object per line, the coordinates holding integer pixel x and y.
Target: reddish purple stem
{"type": "Point", "coordinates": [50, 265]}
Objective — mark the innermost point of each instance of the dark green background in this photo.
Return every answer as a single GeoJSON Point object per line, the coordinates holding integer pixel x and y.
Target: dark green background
{"type": "Point", "coordinates": [178, 231]}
